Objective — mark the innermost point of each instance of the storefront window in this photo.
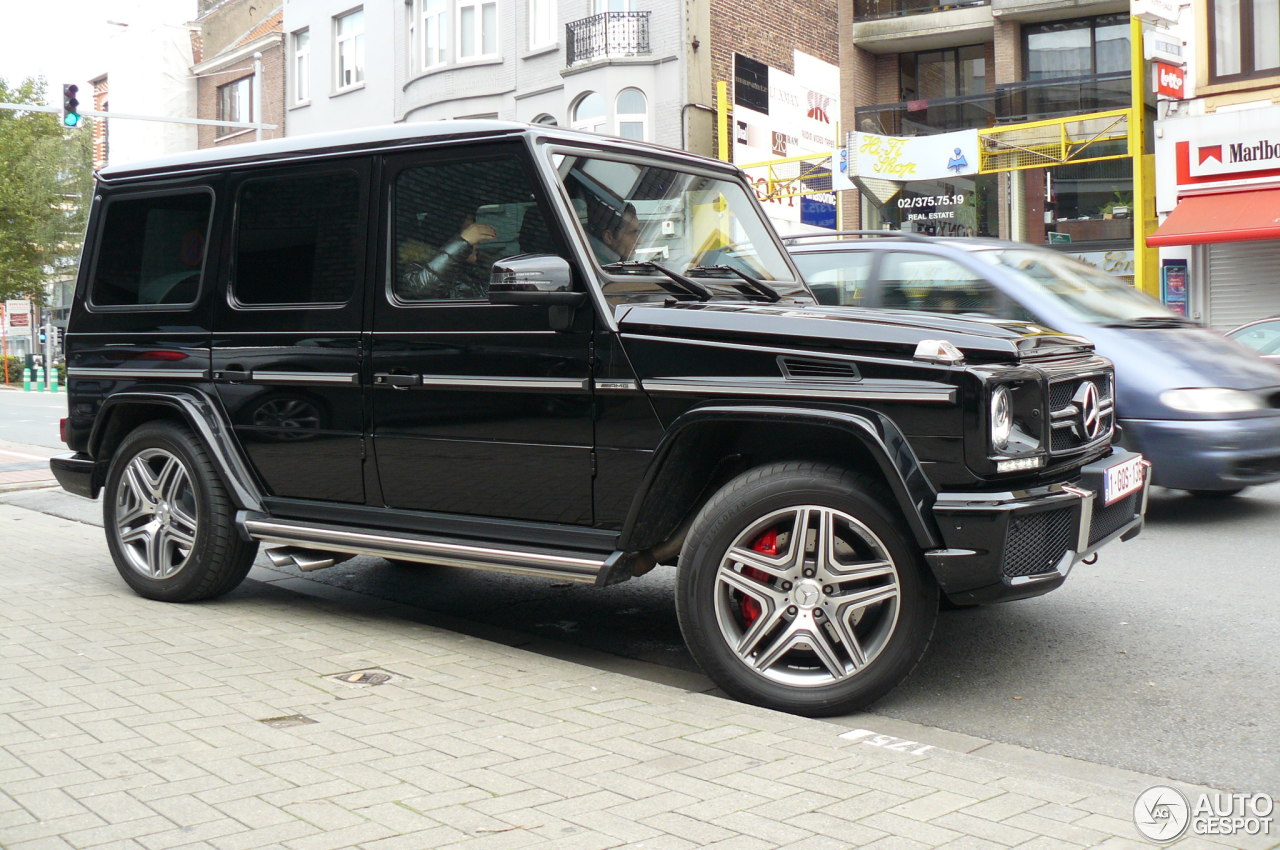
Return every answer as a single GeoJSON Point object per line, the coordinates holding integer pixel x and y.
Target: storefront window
{"type": "Point", "coordinates": [965, 206]}
{"type": "Point", "coordinates": [1090, 202]}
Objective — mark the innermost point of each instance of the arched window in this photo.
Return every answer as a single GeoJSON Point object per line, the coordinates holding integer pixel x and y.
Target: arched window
{"type": "Point", "coordinates": [589, 113]}
{"type": "Point", "coordinates": [631, 115]}
{"type": "Point", "coordinates": [546, 120]}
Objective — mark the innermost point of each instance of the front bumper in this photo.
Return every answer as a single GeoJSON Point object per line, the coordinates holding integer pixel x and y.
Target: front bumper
{"type": "Point", "coordinates": [1016, 544]}
{"type": "Point", "coordinates": [1208, 454]}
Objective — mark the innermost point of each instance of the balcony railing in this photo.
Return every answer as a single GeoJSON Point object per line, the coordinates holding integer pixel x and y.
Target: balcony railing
{"type": "Point", "coordinates": [871, 10]}
{"type": "Point", "coordinates": [607, 35]}
{"type": "Point", "coordinates": [1010, 103]}
{"type": "Point", "coordinates": [1039, 99]}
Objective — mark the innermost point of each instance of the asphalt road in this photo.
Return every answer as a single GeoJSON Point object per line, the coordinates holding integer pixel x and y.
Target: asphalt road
{"type": "Point", "coordinates": [32, 418]}
{"type": "Point", "coordinates": [1164, 657]}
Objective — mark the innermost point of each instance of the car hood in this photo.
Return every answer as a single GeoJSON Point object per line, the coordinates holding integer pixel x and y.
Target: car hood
{"type": "Point", "coordinates": [1151, 360]}
{"type": "Point", "coordinates": [809, 325]}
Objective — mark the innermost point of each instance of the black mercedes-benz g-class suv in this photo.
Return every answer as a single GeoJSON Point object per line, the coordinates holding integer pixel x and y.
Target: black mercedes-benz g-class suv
{"type": "Point", "coordinates": [514, 348]}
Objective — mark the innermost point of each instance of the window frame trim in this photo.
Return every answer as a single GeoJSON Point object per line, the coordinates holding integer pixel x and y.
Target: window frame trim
{"type": "Point", "coordinates": [338, 38]}
{"type": "Point", "coordinates": [298, 77]}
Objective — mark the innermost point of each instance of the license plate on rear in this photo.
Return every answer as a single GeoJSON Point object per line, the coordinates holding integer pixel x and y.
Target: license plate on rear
{"type": "Point", "coordinates": [1122, 479]}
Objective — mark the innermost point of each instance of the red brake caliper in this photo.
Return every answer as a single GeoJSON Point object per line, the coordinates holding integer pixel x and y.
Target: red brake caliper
{"type": "Point", "coordinates": [765, 544]}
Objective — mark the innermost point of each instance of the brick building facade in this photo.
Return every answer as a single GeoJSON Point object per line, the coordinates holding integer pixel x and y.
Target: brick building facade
{"type": "Point", "coordinates": [233, 38]}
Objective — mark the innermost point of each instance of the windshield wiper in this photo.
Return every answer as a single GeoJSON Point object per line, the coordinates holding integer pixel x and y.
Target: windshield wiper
{"type": "Point", "coordinates": [1152, 322]}
{"type": "Point", "coordinates": [678, 284]}
{"type": "Point", "coordinates": [754, 286]}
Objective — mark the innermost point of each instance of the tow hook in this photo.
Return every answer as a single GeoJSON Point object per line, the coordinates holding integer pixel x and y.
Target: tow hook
{"type": "Point", "coordinates": [1091, 560]}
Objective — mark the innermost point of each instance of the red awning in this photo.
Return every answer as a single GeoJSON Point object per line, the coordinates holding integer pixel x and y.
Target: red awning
{"type": "Point", "coordinates": [1223, 217]}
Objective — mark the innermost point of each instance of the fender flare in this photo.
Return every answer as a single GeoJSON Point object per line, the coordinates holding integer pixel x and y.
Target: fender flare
{"type": "Point", "coordinates": [203, 417]}
{"type": "Point", "coordinates": [875, 432]}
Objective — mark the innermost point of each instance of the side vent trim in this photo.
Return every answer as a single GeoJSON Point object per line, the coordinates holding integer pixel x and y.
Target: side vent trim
{"type": "Point", "coordinates": [818, 369]}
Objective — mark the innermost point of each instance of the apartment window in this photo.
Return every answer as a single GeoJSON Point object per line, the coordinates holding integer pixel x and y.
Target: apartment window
{"type": "Point", "coordinates": [631, 115]}
{"type": "Point", "coordinates": [542, 23]}
{"type": "Point", "coordinates": [1243, 38]}
{"type": "Point", "coordinates": [935, 74]}
{"type": "Point", "coordinates": [477, 29]}
{"type": "Point", "coordinates": [435, 32]}
{"type": "Point", "coordinates": [599, 6]}
{"type": "Point", "coordinates": [302, 66]}
{"type": "Point", "coordinates": [235, 103]}
{"type": "Point", "coordinates": [589, 113]}
{"type": "Point", "coordinates": [348, 33]}
{"type": "Point", "coordinates": [1079, 48]}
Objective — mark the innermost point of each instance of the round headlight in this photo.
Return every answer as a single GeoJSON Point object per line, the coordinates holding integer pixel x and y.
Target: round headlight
{"type": "Point", "coordinates": [1001, 418]}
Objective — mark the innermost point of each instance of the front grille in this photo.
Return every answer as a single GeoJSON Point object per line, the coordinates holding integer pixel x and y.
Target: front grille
{"type": "Point", "coordinates": [1068, 404]}
{"type": "Point", "coordinates": [1108, 519]}
{"type": "Point", "coordinates": [1036, 543]}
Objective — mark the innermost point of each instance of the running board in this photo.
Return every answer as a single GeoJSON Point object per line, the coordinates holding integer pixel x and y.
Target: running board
{"type": "Point", "coordinates": [579, 567]}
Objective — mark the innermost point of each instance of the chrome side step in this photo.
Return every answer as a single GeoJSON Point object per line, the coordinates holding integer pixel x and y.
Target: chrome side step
{"type": "Point", "coordinates": [322, 540]}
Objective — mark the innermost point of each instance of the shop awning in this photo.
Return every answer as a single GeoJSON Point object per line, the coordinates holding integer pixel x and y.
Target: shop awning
{"type": "Point", "coordinates": [1224, 217]}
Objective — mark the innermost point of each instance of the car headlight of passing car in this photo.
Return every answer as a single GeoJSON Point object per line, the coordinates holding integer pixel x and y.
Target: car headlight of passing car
{"type": "Point", "coordinates": [1211, 400]}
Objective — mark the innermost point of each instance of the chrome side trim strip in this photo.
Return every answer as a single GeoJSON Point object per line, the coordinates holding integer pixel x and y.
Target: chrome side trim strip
{"type": "Point", "coordinates": [187, 374]}
{"type": "Point", "coordinates": [429, 551]}
{"type": "Point", "coordinates": [486, 382]}
{"type": "Point", "coordinates": [267, 377]}
{"type": "Point", "coordinates": [794, 389]}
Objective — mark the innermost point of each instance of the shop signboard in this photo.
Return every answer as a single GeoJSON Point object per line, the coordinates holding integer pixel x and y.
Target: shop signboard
{"type": "Point", "coordinates": [17, 314]}
{"type": "Point", "coordinates": [1237, 153]}
{"type": "Point", "coordinates": [905, 158]}
{"type": "Point", "coordinates": [1170, 80]}
{"type": "Point", "coordinates": [781, 116]}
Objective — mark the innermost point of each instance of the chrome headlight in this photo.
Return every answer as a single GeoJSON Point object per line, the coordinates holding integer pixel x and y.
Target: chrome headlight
{"type": "Point", "coordinates": [1211, 400]}
{"type": "Point", "coordinates": [1001, 419]}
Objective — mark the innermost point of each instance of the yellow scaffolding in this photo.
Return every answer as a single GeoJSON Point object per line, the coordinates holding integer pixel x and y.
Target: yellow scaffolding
{"type": "Point", "coordinates": [1093, 137]}
{"type": "Point", "coordinates": [791, 177]}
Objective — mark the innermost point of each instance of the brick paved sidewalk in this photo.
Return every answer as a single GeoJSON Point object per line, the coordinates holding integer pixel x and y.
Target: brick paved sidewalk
{"type": "Point", "coordinates": [255, 721]}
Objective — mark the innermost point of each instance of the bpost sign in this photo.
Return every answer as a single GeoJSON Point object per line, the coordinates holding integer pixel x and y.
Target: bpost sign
{"type": "Point", "coordinates": [904, 158]}
{"type": "Point", "coordinates": [1237, 154]}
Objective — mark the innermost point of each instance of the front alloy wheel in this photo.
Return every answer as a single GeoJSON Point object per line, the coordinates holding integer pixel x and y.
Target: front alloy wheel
{"type": "Point", "coordinates": [798, 589]}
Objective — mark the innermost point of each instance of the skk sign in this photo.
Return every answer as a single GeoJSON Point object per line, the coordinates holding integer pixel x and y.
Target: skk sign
{"type": "Point", "coordinates": [1170, 80]}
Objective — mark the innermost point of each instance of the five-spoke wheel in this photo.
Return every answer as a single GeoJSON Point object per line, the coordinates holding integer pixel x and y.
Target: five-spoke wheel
{"type": "Point", "coordinates": [170, 524]}
{"type": "Point", "coordinates": [799, 590]}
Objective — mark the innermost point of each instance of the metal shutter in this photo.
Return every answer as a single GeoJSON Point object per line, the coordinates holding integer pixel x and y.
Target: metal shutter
{"type": "Point", "coordinates": [1244, 282]}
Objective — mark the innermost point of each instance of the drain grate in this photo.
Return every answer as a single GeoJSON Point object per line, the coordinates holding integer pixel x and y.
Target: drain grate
{"type": "Point", "coordinates": [364, 678]}
{"type": "Point", "coordinates": [287, 721]}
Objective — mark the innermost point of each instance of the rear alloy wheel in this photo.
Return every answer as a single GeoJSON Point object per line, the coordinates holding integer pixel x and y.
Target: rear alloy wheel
{"type": "Point", "coordinates": [169, 522]}
{"type": "Point", "coordinates": [797, 590]}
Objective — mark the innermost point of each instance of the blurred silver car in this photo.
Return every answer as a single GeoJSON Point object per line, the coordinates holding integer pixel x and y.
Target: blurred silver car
{"type": "Point", "coordinates": [1262, 335]}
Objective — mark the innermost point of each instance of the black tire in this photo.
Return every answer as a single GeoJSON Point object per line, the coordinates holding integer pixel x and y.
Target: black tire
{"type": "Point", "coordinates": [755, 633]}
{"type": "Point", "coordinates": [1216, 494]}
{"type": "Point", "coordinates": [169, 521]}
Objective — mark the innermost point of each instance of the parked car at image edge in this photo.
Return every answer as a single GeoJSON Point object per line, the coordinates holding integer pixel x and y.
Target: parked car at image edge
{"type": "Point", "coordinates": [1261, 335]}
{"type": "Point", "coordinates": [1203, 410]}
{"type": "Point", "coordinates": [295, 343]}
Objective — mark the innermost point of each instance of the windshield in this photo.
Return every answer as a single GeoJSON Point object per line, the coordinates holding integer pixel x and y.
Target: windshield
{"type": "Point", "coordinates": [1089, 294]}
{"type": "Point", "coordinates": [706, 227]}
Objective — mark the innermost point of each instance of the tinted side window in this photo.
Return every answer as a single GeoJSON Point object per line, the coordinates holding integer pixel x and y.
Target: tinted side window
{"type": "Point", "coordinates": [912, 281]}
{"type": "Point", "coordinates": [838, 277]}
{"type": "Point", "coordinates": [297, 239]}
{"type": "Point", "coordinates": [152, 250]}
{"type": "Point", "coordinates": [453, 219]}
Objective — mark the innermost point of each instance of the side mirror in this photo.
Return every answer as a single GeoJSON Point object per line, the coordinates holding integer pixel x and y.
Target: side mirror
{"type": "Point", "coordinates": [540, 279]}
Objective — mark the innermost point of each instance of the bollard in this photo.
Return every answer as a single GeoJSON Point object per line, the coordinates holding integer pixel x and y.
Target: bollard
{"type": "Point", "coordinates": [39, 376]}
{"type": "Point", "coordinates": [26, 379]}
{"type": "Point", "coordinates": [53, 379]}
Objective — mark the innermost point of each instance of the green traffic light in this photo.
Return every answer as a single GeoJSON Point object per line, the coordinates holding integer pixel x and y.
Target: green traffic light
{"type": "Point", "coordinates": [72, 119]}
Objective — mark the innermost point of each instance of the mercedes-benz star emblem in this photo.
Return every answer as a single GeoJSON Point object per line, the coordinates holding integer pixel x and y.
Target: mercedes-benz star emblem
{"type": "Point", "coordinates": [1090, 408]}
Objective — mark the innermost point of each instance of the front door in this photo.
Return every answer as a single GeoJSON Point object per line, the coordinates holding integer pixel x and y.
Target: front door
{"type": "Point", "coordinates": [287, 353]}
{"type": "Point", "coordinates": [478, 409]}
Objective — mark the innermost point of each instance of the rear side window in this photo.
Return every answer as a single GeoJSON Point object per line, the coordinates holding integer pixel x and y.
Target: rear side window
{"type": "Point", "coordinates": [152, 250]}
{"type": "Point", "coordinates": [298, 239]}
{"type": "Point", "coordinates": [838, 277]}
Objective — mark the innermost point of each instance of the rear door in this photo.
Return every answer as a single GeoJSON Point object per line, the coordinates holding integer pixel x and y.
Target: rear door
{"type": "Point", "coordinates": [287, 353]}
{"type": "Point", "coordinates": [478, 409]}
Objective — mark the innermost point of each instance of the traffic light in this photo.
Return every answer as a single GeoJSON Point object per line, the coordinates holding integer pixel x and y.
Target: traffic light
{"type": "Point", "coordinates": [44, 335]}
{"type": "Point", "coordinates": [71, 116]}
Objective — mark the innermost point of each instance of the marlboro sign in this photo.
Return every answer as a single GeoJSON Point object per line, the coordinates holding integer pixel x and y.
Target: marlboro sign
{"type": "Point", "coordinates": [1170, 80]}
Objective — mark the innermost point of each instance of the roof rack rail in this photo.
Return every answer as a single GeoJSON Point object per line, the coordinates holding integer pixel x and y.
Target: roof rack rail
{"type": "Point", "coordinates": [897, 234]}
